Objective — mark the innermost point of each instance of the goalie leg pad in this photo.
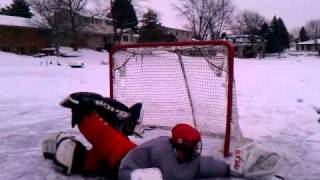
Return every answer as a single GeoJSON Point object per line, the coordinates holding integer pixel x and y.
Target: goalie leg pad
{"type": "Point", "coordinates": [49, 144]}
{"type": "Point", "coordinates": [70, 156]}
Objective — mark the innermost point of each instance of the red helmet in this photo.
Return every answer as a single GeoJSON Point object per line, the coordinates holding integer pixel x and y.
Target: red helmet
{"type": "Point", "coordinates": [187, 142]}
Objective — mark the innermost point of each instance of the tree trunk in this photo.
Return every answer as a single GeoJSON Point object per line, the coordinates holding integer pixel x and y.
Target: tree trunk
{"type": "Point", "coordinates": [75, 39]}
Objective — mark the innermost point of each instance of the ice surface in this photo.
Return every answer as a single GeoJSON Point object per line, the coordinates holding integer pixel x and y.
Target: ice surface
{"type": "Point", "coordinates": [276, 100]}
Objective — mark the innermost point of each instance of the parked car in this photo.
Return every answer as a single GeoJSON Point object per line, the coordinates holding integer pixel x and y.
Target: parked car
{"type": "Point", "coordinates": [39, 55]}
{"type": "Point", "coordinates": [76, 64]}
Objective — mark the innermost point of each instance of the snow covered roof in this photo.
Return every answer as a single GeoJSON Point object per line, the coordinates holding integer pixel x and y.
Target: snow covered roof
{"type": "Point", "coordinates": [245, 39]}
{"type": "Point", "coordinates": [243, 36]}
{"type": "Point", "coordinates": [312, 41]}
{"type": "Point", "coordinates": [16, 21]}
{"type": "Point", "coordinates": [176, 28]}
{"type": "Point", "coordinates": [98, 29]}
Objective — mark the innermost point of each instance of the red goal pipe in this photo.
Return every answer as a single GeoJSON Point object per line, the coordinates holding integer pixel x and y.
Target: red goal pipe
{"type": "Point", "coordinates": [190, 43]}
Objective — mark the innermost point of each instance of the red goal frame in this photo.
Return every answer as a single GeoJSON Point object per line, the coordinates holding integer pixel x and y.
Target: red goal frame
{"type": "Point", "coordinates": [190, 43]}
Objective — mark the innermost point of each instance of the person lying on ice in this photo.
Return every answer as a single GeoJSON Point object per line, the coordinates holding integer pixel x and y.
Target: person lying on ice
{"type": "Point", "coordinates": [106, 123]}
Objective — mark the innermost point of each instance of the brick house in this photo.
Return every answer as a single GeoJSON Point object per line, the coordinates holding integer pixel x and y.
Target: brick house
{"type": "Point", "coordinates": [23, 36]}
{"type": "Point", "coordinates": [19, 35]}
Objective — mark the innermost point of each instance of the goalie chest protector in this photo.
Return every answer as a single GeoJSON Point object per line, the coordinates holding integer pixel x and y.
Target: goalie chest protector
{"type": "Point", "coordinates": [108, 144]}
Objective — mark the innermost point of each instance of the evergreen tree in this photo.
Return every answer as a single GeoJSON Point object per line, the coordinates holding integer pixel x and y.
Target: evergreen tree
{"type": "Point", "coordinates": [303, 35]}
{"type": "Point", "coordinates": [266, 33]}
{"type": "Point", "coordinates": [151, 29]}
{"type": "Point", "coordinates": [273, 43]}
{"type": "Point", "coordinates": [283, 35]}
{"type": "Point", "coordinates": [17, 8]}
{"type": "Point", "coordinates": [279, 36]}
{"type": "Point", "coordinates": [264, 30]}
{"type": "Point", "coordinates": [123, 16]}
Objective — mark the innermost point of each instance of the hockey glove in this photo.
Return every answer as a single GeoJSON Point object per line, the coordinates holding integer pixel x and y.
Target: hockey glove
{"type": "Point", "coordinates": [81, 103]}
{"type": "Point", "coordinates": [112, 111]}
{"type": "Point", "coordinates": [253, 162]}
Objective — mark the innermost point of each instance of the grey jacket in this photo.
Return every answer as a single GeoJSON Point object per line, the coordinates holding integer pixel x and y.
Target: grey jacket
{"type": "Point", "coordinates": [160, 154]}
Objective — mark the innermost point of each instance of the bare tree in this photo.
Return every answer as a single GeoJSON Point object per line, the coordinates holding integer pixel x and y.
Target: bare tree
{"type": "Point", "coordinates": [206, 17]}
{"type": "Point", "coordinates": [221, 19]}
{"type": "Point", "coordinates": [295, 32]}
{"type": "Point", "coordinates": [74, 9]}
{"type": "Point", "coordinates": [99, 7]}
{"type": "Point", "coordinates": [48, 13]}
{"type": "Point", "coordinates": [313, 28]}
{"type": "Point", "coordinates": [249, 22]}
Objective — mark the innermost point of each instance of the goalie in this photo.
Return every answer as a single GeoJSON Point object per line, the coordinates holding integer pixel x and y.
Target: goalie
{"type": "Point", "coordinates": [177, 157]}
{"type": "Point", "coordinates": [106, 123]}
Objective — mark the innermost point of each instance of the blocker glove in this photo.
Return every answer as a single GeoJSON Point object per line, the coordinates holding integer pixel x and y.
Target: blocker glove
{"type": "Point", "coordinates": [112, 111]}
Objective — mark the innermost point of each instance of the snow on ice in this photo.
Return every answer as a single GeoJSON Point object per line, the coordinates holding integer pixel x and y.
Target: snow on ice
{"type": "Point", "coordinates": [278, 101]}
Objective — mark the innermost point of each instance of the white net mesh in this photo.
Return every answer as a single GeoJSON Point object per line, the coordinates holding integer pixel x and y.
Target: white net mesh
{"type": "Point", "coordinates": [177, 85]}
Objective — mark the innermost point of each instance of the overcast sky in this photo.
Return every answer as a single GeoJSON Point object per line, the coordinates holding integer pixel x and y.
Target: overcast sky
{"type": "Point", "coordinates": [294, 12]}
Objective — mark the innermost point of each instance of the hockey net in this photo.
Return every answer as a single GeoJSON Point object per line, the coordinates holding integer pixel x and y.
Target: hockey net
{"type": "Point", "coordinates": [188, 82]}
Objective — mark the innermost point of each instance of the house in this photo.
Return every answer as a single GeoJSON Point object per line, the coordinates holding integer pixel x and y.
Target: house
{"type": "Point", "coordinates": [20, 35]}
{"type": "Point", "coordinates": [311, 45]}
{"type": "Point", "coordinates": [247, 46]}
{"type": "Point", "coordinates": [180, 34]}
{"type": "Point", "coordinates": [25, 36]}
{"type": "Point", "coordinates": [96, 32]}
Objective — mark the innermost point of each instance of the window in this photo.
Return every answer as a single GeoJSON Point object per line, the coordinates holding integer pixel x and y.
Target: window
{"type": "Point", "coordinates": [33, 50]}
{"type": "Point", "coordinates": [21, 50]}
{"type": "Point", "coordinates": [108, 23]}
{"type": "Point", "coordinates": [87, 19]}
{"type": "Point", "coordinates": [125, 38]}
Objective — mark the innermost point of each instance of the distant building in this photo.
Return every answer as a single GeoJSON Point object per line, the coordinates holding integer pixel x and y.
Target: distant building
{"type": "Point", "coordinates": [180, 34]}
{"type": "Point", "coordinates": [97, 32]}
{"type": "Point", "coordinates": [246, 46]}
{"type": "Point", "coordinates": [311, 45]}
{"type": "Point", "coordinates": [24, 36]}
{"type": "Point", "coordinates": [20, 35]}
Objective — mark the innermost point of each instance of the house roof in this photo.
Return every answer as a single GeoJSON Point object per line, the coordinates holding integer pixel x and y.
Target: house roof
{"type": "Point", "coordinates": [176, 28]}
{"type": "Point", "coordinates": [243, 36]}
{"type": "Point", "coordinates": [98, 29]}
{"type": "Point", "coordinates": [96, 15]}
{"type": "Point", "coordinates": [312, 41]}
{"type": "Point", "coordinates": [16, 21]}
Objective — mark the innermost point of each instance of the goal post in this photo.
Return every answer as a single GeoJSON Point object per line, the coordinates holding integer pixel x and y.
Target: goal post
{"type": "Point", "coordinates": [179, 82]}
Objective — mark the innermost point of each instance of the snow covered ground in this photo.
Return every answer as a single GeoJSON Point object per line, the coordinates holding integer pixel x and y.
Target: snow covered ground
{"type": "Point", "coordinates": [277, 99]}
